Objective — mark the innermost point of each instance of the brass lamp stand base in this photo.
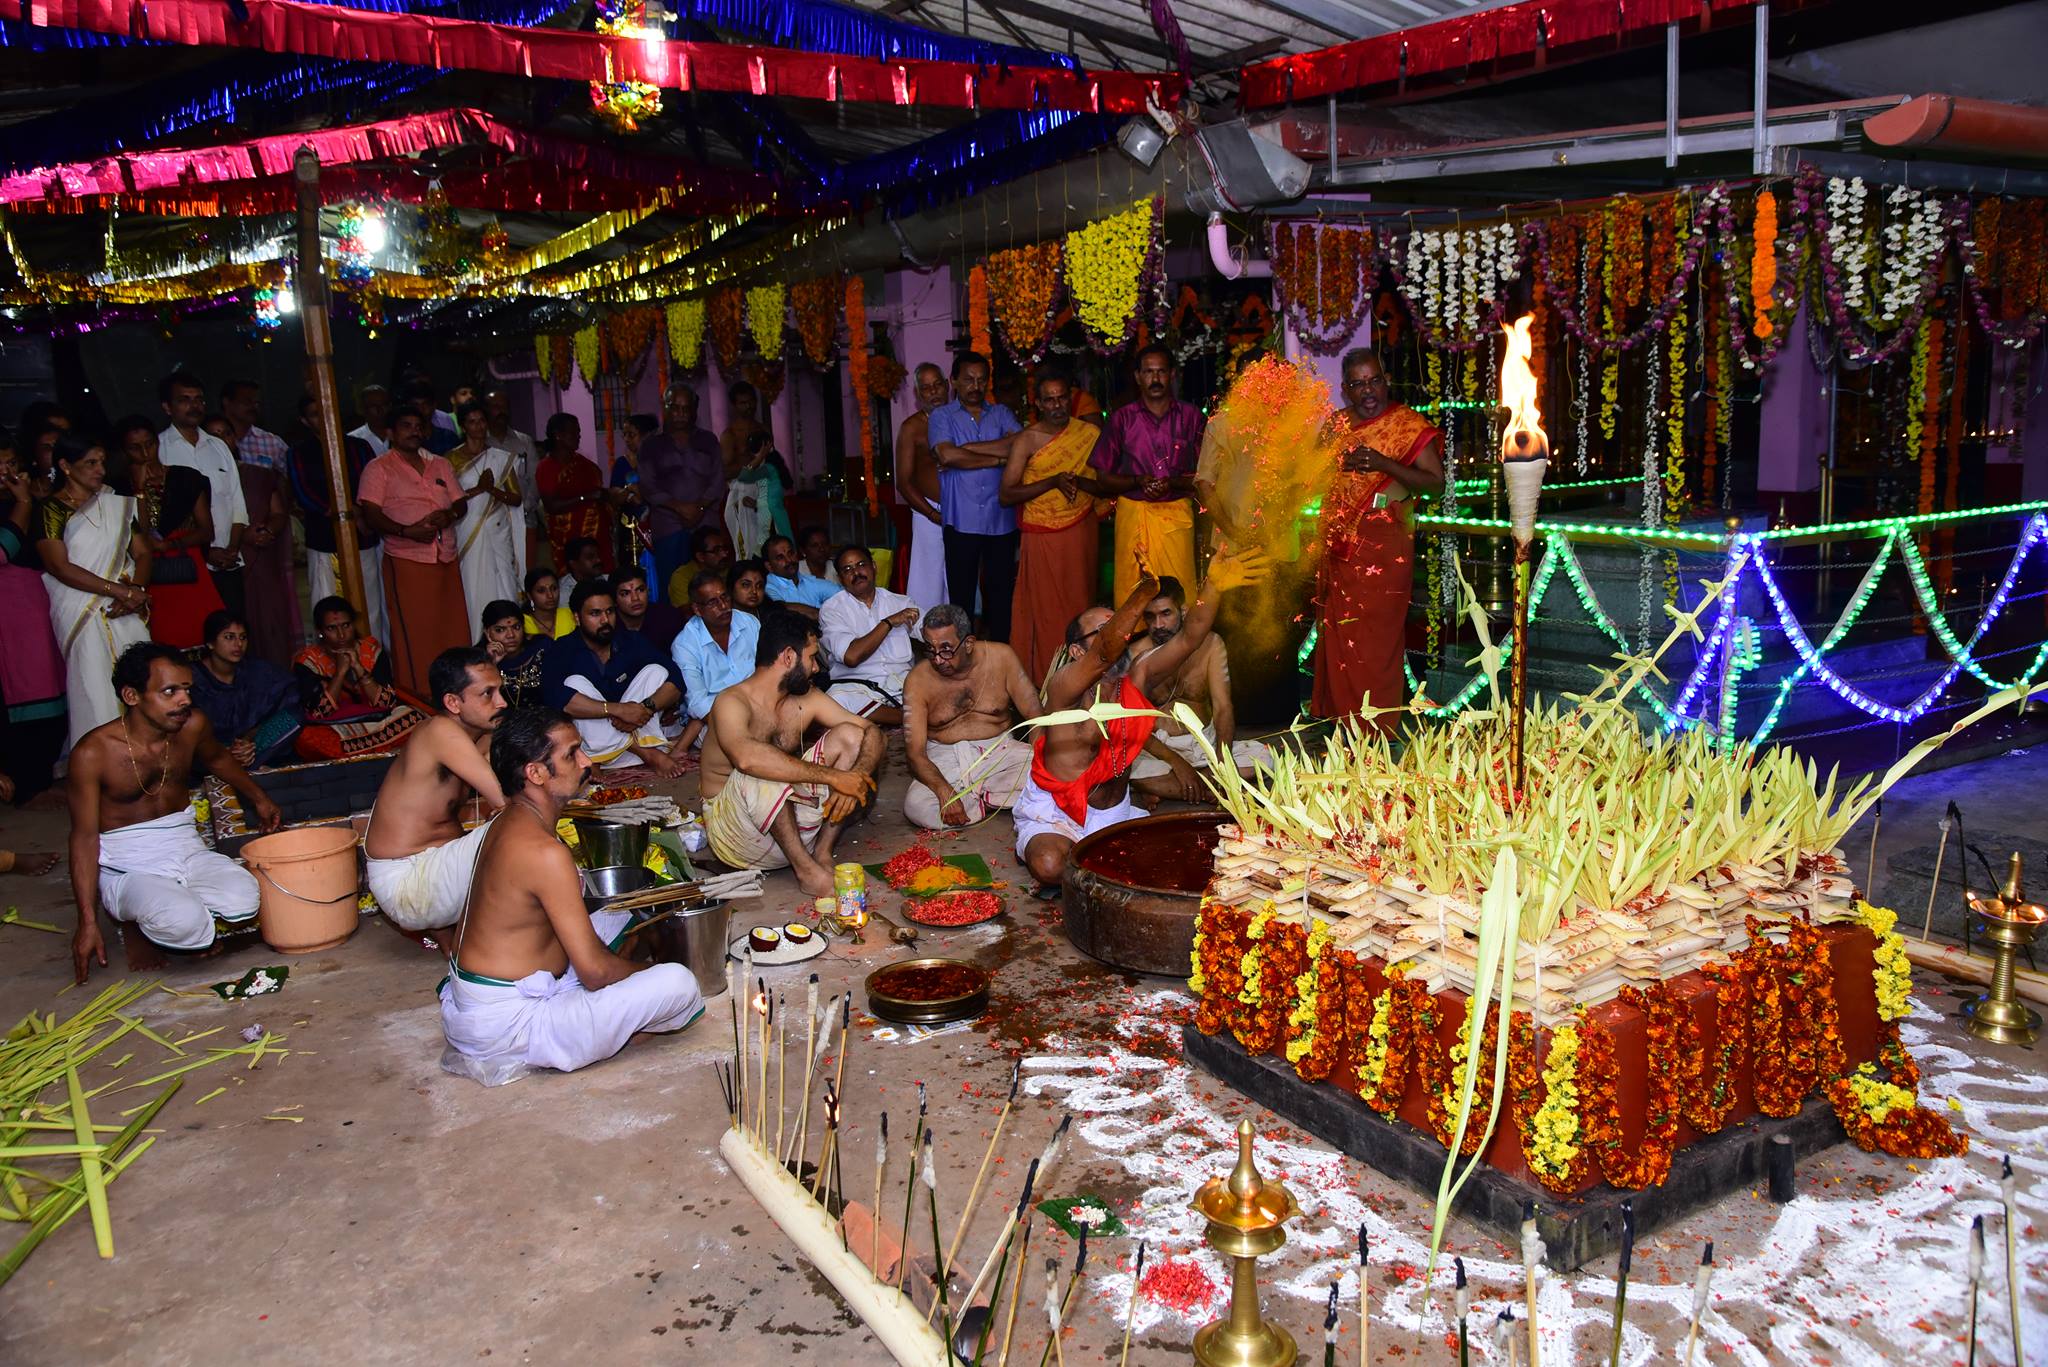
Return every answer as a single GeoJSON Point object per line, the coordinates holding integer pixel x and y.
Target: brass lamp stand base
{"type": "Point", "coordinates": [2002, 1022]}
{"type": "Point", "coordinates": [1268, 1345]}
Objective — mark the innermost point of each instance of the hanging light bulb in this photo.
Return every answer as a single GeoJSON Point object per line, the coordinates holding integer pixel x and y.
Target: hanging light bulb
{"type": "Point", "coordinates": [374, 235]}
{"type": "Point", "coordinates": [287, 300]}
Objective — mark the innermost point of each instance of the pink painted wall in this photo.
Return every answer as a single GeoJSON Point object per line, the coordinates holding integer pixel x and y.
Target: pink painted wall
{"type": "Point", "coordinates": [1794, 422]}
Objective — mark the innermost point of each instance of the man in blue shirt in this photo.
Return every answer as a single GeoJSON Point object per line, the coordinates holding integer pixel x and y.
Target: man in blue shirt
{"type": "Point", "coordinates": [800, 593]}
{"type": "Point", "coordinates": [682, 479]}
{"type": "Point", "coordinates": [971, 439]}
{"type": "Point", "coordinates": [612, 684]}
{"type": "Point", "coordinates": [713, 652]}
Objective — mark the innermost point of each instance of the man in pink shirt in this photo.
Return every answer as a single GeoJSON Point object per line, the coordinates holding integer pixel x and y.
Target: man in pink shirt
{"type": "Point", "coordinates": [413, 497]}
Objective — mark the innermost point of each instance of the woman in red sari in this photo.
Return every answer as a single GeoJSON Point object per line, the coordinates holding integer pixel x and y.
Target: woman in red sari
{"type": "Point", "coordinates": [1368, 567]}
{"type": "Point", "coordinates": [572, 493]}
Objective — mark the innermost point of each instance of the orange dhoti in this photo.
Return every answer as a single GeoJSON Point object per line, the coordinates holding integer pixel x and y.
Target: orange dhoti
{"type": "Point", "coordinates": [428, 616]}
{"type": "Point", "coordinates": [1057, 553]}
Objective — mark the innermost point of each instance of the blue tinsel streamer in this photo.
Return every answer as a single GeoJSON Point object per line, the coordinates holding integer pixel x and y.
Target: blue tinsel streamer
{"type": "Point", "coordinates": [992, 150]}
{"type": "Point", "coordinates": [821, 26]}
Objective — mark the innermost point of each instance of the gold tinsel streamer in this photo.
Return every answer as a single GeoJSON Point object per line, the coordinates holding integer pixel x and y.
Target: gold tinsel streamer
{"type": "Point", "coordinates": [575, 242]}
{"type": "Point", "coordinates": [686, 332]}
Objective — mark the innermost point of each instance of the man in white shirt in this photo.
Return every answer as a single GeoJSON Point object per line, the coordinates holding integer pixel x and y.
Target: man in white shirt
{"type": "Point", "coordinates": [526, 460]}
{"type": "Point", "coordinates": [375, 402]}
{"type": "Point", "coordinates": [867, 630]}
{"type": "Point", "coordinates": [185, 443]}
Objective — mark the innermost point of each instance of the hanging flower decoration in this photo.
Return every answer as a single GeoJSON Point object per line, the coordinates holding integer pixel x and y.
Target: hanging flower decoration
{"type": "Point", "coordinates": [562, 348]}
{"type": "Point", "coordinates": [765, 309]}
{"type": "Point", "coordinates": [1108, 267]}
{"type": "Point", "coordinates": [1324, 276]}
{"type": "Point", "coordinates": [885, 376]}
{"type": "Point", "coordinates": [686, 332]}
{"type": "Point", "coordinates": [767, 377]}
{"type": "Point", "coordinates": [627, 336]}
{"type": "Point", "coordinates": [726, 310]}
{"type": "Point", "coordinates": [589, 353]}
{"type": "Point", "coordinates": [623, 104]}
{"type": "Point", "coordinates": [977, 312]}
{"type": "Point", "coordinates": [351, 250]}
{"type": "Point", "coordinates": [857, 370]}
{"type": "Point", "coordinates": [1455, 281]}
{"type": "Point", "coordinates": [815, 302]}
{"type": "Point", "coordinates": [1023, 287]}
{"type": "Point", "coordinates": [543, 359]}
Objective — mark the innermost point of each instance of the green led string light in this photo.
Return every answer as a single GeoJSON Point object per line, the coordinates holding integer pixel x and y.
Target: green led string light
{"type": "Point", "coordinates": [1858, 600]}
{"type": "Point", "coordinates": [1923, 588]}
{"type": "Point", "coordinates": [1470, 486]}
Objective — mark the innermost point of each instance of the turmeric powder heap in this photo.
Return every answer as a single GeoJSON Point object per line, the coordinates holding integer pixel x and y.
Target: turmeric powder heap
{"type": "Point", "coordinates": [934, 878]}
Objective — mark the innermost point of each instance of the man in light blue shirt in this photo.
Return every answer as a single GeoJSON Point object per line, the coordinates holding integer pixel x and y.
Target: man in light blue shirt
{"type": "Point", "coordinates": [715, 651]}
{"type": "Point", "coordinates": [801, 593]}
{"type": "Point", "coordinates": [971, 439]}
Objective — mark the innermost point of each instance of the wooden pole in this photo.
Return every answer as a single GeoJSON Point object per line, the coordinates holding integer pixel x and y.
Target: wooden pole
{"type": "Point", "coordinates": [312, 287]}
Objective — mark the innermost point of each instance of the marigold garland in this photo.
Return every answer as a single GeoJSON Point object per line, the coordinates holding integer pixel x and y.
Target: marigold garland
{"type": "Point", "coordinates": [686, 332]}
{"type": "Point", "coordinates": [1893, 976]}
{"type": "Point", "coordinates": [589, 353]}
{"type": "Point", "coordinates": [1925, 424]}
{"type": "Point", "coordinates": [1706, 1100]}
{"type": "Point", "coordinates": [725, 315]}
{"type": "Point", "coordinates": [815, 302]}
{"type": "Point", "coordinates": [1023, 286]}
{"type": "Point", "coordinates": [765, 308]}
{"type": "Point", "coordinates": [1551, 1132]}
{"type": "Point", "coordinates": [1678, 225]}
{"type": "Point", "coordinates": [1763, 270]}
{"type": "Point", "coordinates": [1106, 263]}
{"type": "Point", "coordinates": [562, 351]}
{"type": "Point", "coordinates": [977, 312]}
{"type": "Point", "coordinates": [1301, 1021]}
{"type": "Point", "coordinates": [627, 335]}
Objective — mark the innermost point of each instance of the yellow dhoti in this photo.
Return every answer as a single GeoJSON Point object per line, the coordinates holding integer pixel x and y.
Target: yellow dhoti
{"type": "Point", "coordinates": [1164, 533]}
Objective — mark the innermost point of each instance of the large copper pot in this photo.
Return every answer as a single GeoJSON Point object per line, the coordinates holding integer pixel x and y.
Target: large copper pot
{"type": "Point", "coordinates": [1131, 891]}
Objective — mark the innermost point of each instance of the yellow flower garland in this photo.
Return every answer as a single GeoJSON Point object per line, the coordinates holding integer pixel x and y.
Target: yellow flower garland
{"type": "Point", "coordinates": [589, 352]}
{"type": "Point", "coordinates": [1197, 984]}
{"type": "Point", "coordinates": [1307, 990]}
{"type": "Point", "coordinates": [543, 348]}
{"type": "Point", "coordinates": [1553, 1144]}
{"type": "Point", "coordinates": [1877, 1097]}
{"type": "Point", "coordinates": [764, 319]}
{"type": "Point", "coordinates": [1105, 261]}
{"type": "Point", "coordinates": [1249, 965]}
{"type": "Point", "coordinates": [1378, 1035]}
{"type": "Point", "coordinates": [686, 332]}
{"type": "Point", "coordinates": [1893, 975]}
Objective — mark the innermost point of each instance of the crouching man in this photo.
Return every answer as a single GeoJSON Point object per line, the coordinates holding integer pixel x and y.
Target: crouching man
{"type": "Point", "coordinates": [134, 844]}
{"type": "Point", "coordinates": [535, 981]}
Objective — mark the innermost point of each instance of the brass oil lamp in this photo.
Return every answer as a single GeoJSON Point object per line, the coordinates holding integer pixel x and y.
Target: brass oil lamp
{"type": "Point", "coordinates": [1246, 1215]}
{"type": "Point", "coordinates": [2010, 922]}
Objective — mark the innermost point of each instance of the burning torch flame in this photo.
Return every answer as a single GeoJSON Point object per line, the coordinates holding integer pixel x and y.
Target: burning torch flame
{"type": "Point", "coordinates": [1523, 438]}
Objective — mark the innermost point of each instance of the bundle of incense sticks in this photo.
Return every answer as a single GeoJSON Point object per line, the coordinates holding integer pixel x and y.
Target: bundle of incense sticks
{"type": "Point", "coordinates": [722, 887]}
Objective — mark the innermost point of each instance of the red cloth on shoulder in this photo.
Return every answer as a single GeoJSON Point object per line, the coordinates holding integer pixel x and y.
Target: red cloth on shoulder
{"type": "Point", "coordinates": [1127, 736]}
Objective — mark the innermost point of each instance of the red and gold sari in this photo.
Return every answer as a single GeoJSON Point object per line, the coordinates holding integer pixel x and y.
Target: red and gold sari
{"type": "Point", "coordinates": [1367, 571]}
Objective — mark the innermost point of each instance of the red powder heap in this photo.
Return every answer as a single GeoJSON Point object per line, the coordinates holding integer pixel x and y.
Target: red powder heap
{"type": "Point", "coordinates": [1180, 1285]}
{"type": "Point", "coordinates": [903, 867]}
{"type": "Point", "coordinates": [955, 909]}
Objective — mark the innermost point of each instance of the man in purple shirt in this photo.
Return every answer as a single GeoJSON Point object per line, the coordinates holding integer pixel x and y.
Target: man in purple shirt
{"type": "Point", "coordinates": [971, 439]}
{"type": "Point", "coordinates": [1146, 459]}
{"type": "Point", "coordinates": [682, 480]}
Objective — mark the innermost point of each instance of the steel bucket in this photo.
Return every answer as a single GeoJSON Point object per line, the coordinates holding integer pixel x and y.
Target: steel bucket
{"type": "Point", "coordinates": [606, 844]}
{"type": "Point", "coordinates": [694, 937]}
{"type": "Point", "coordinates": [602, 884]}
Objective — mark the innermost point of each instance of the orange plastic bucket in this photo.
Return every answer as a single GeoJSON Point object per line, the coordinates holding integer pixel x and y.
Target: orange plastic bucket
{"type": "Point", "coordinates": [309, 883]}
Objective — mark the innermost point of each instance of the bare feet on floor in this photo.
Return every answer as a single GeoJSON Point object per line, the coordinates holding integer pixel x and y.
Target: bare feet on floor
{"type": "Point", "coordinates": [34, 863]}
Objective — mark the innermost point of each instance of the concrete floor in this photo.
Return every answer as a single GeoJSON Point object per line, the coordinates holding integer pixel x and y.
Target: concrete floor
{"type": "Point", "coordinates": [415, 1216]}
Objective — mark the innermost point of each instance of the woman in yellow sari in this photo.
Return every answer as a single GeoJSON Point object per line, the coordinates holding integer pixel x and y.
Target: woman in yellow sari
{"type": "Point", "coordinates": [1059, 547]}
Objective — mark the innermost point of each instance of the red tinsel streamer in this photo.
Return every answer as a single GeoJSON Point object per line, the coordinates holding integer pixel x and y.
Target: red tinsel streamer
{"type": "Point", "coordinates": [569, 55]}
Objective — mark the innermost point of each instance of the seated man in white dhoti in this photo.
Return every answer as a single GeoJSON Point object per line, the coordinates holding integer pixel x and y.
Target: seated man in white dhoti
{"type": "Point", "coordinates": [418, 860]}
{"type": "Point", "coordinates": [866, 631]}
{"type": "Point", "coordinates": [958, 708]}
{"type": "Point", "coordinates": [534, 980]}
{"type": "Point", "coordinates": [135, 845]}
{"type": "Point", "coordinates": [615, 686]}
{"type": "Point", "coordinates": [770, 800]}
{"type": "Point", "coordinates": [1174, 761]}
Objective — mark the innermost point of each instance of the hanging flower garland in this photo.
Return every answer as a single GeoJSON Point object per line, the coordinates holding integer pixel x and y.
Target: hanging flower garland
{"type": "Point", "coordinates": [1023, 287]}
{"type": "Point", "coordinates": [1914, 237]}
{"type": "Point", "coordinates": [1456, 281]}
{"type": "Point", "coordinates": [857, 376]}
{"type": "Point", "coordinates": [767, 377]}
{"type": "Point", "coordinates": [686, 332]}
{"type": "Point", "coordinates": [1990, 265]}
{"type": "Point", "coordinates": [1679, 231]}
{"type": "Point", "coordinates": [1844, 266]}
{"type": "Point", "coordinates": [628, 336]}
{"type": "Point", "coordinates": [1325, 275]}
{"type": "Point", "coordinates": [765, 309]}
{"type": "Point", "coordinates": [543, 354]}
{"type": "Point", "coordinates": [1916, 414]}
{"type": "Point", "coordinates": [589, 354]}
{"type": "Point", "coordinates": [977, 313]}
{"type": "Point", "coordinates": [563, 349]}
{"type": "Point", "coordinates": [1109, 264]}
{"type": "Point", "coordinates": [815, 302]}
{"type": "Point", "coordinates": [725, 313]}
{"type": "Point", "coordinates": [885, 377]}
{"type": "Point", "coordinates": [1847, 238]}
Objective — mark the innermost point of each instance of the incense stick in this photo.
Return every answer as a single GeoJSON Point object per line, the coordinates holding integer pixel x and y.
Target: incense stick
{"type": "Point", "coordinates": [1016, 1288]}
{"type": "Point", "coordinates": [804, 1088]}
{"type": "Point", "coordinates": [1329, 1326]}
{"type": "Point", "coordinates": [995, 1294]}
{"type": "Point", "coordinates": [1131, 1315]}
{"type": "Point", "coordinates": [1504, 1335]}
{"type": "Point", "coordinates": [931, 1191]}
{"type": "Point", "coordinates": [1532, 1255]}
{"type": "Point", "coordinates": [1364, 1295]}
{"type": "Point", "coordinates": [1701, 1280]}
{"type": "Point", "coordinates": [1052, 1311]}
{"type": "Point", "coordinates": [739, 1055]}
{"type": "Point", "coordinates": [1066, 1299]}
{"type": "Point", "coordinates": [803, 1119]}
{"type": "Point", "coordinates": [1976, 1275]}
{"type": "Point", "coordinates": [1461, 1304]}
{"type": "Point", "coordinates": [2006, 1185]}
{"type": "Point", "coordinates": [875, 1211]}
{"type": "Point", "coordinates": [766, 1007]}
{"type": "Point", "coordinates": [981, 1174]}
{"type": "Point", "coordinates": [781, 1066]}
{"type": "Point", "coordinates": [1628, 1249]}
{"type": "Point", "coordinates": [1041, 1167]}
{"type": "Point", "coordinates": [1948, 822]}
{"type": "Point", "coordinates": [910, 1190]}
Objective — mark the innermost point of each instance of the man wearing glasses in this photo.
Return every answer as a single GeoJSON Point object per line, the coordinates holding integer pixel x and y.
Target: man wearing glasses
{"type": "Point", "coordinates": [866, 628]}
{"type": "Point", "coordinates": [958, 708]}
{"type": "Point", "coordinates": [1391, 456]}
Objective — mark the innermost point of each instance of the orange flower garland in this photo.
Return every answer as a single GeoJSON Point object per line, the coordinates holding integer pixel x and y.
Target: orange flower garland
{"type": "Point", "coordinates": [1219, 950]}
{"type": "Point", "coordinates": [977, 312]}
{"type": "Point", "coordinates": [1763, 270]}
{"type": "Point", "coordinates": [726, 312]}
{"type": "Point", "coordinates": [1022, 287]}
{"type": "Point", "coordinates": [857, 372]}
{"type": "Point", "coordinates": [816, 303]}
{"type": "Point", "coordinates": [1706, 1101]}
{"type": "Point", "coordinates": [1526, 1095]}
{"type": "Point", "coordinates": [1600, 1076]}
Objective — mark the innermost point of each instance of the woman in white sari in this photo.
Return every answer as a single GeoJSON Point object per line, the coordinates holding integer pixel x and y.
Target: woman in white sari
{"type": "Point", "coordinates": [95, 562]}
{"type": "Point", "coordinates": [487, 535]}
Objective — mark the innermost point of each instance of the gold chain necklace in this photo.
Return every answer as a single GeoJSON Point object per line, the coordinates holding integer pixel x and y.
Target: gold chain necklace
{"type": "Point", "coordinates": [163, 774]}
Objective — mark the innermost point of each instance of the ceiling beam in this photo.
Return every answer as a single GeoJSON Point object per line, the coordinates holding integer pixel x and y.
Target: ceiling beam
{"type": "Point", "coordinates": [1344, 21]}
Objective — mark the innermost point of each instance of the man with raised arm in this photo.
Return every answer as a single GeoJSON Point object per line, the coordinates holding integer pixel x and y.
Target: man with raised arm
{"type": "Point", "coordinates": [958, 708]}
{"type": "Point", "coordinates": [134, 843]}
{"type": "Point", "coordinates": [419, 861]}
{"type": "Point", "coordinates": [535, 980]}
{"type": "Point", "coordinates": [1172, 764]}
{"type": "Point", "coordinates": [770, 800]}
{"type": "Point", "coordinates": [1080, 771]}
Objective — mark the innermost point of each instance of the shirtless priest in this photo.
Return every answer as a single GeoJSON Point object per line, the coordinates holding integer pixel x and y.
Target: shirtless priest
{"type": "Point", "coordinates": [958, 707]}
{"type": "Point", "coordinates": [1080, 771]}
{"type": "Point", "coordinates": [134, 845]}
{"type": "Point", "coordinates": [1172, 764]}
{"type": "Point", "coordinates": [764, 807]}
{"type": "Point", "coordinates": [534, 980]}
{"type": "Point", "coordinates": [418, 859]}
